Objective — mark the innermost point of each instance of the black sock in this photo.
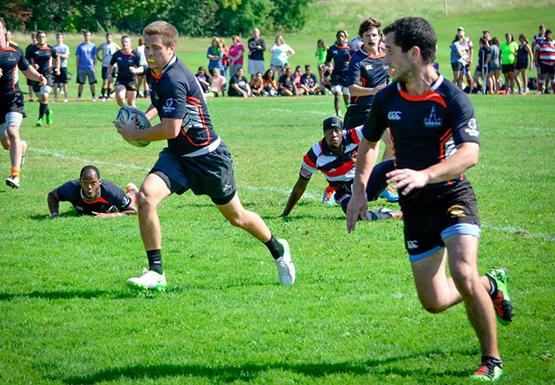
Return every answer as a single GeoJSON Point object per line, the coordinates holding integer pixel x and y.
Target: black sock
{"type": "Point", "coordinates": [154, 260]}
{"type": "Point", "coordinates": [495, 361]}
{"type": "Point", "coordinates": [42, 110]}
{"type": "Point", "coordinates": [103, 92]}
{"type": "Point", "coordinates": [46, 109]}
{"type": "Point", "coordinates": [275, 247]}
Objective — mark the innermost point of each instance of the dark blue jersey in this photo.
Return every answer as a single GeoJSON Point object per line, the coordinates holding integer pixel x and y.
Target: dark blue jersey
{"type": "Point", "coordinates": [125, 61]}
{"type": "Point", "coordinates": [111, 199]}
{"type": "Point", "coordinates": [366, 71]}
{"type": "Point", "coordinates": [425, 129]}
{"type": "Point", "coordinates": [340, 55]}
{"type": "Point", "coordinates": [176, 94]}
{"type": "Point", "coordinates": [11, 58]}
{"type": "Point", "coordinates": [44, 58]}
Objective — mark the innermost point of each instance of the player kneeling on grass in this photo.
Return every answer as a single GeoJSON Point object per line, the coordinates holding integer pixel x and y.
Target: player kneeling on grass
{"type": "Point", "coordinates": [436, 139]}
{"type": "Point", "coordinates": [196, 158]}
{"type": "Point", "coordinates": [92, 196]}
{"type": "Point", "coordinates": [335, 157]}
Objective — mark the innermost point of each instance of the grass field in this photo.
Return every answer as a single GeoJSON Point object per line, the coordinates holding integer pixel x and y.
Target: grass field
{"type": "Point", "coordinates": [351, 318]}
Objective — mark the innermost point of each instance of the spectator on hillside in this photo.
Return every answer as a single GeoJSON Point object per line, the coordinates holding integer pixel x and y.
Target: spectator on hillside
{"type": "Point", "coordinates": [481, 71]}
{"type": "Point", "coordinates": [321, 51]}
{"type": "Point", "coordinates": [85, 60]}
{"type": "Point", "coordinates": [235, 54]}
{"type": "Point", "coordinates": [218, 83]}
{"type": "Point", "coordinates": [239, 85]}
{"type": "Point", "coordinates": [141, 78]}
{"type": "Point", "coordinates": [309, 83]}
{"type": "Point", "coordinates": [281, 52]}
{"type": "Point", "coordinates": [204, 79]}
{"type": "Point", "coordinates": [469, 49]}
{"type": "Point", "coordinates": [538, 39]}
{"type": "Point", "coordinates": [270, 84]}
{"type": "Point", "coordinates": [297, 75]}
{"type": "Point", "coordinates": [286, 83]}
{"type": "Point", "coordinates": [524, 62]}
{"type": "Point", "coordinates": [508, 59]}
{"type": "Point", "coordinates": [60, 80]}
{"type": "Point", "coordinates": [215, 54]}
{"type": "Point", "coordinates": [458, 59]}
{"type": "Point", "coordinates": [104, 54]}
{"type": "Point", "coordinates": [546, 59]}
{"type": "Point", "coordinates": [257, 46]}
{"type": "Point", "coordinates": [257, 85]}
{"type": "Point", "coordinates": [494, 67]}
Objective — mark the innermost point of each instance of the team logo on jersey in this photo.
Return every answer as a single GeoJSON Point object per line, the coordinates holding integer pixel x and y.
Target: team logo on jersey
{"type": "Point", "coordinates": [433, 120]}
{"type": "Point", "coordinates": [411, 245]}
{"type": "Point", "coordinates": [369, 67]}
{"type": "Point", "coordinates": [394, 115]}
{"type": "Point", "coordinates": [472, 129]}
{"type": "Point", "coordinates": [168, 106]}
{"type": "Point", "coordinates": [456, 211]}
{"type": "Point", "coordinates": [11, 57]}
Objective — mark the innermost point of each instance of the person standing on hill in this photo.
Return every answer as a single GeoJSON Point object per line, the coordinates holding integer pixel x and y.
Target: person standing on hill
{"type": "Point", "coordinates": [85, 60]}
{"type": "Point", "coordinates": [257, 46]}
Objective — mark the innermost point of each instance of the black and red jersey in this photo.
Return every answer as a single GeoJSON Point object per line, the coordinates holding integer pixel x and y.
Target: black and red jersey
{"type": "Point", "coordinates": [111, 199]}
{"type": "Point", "coordinates": [366, 71]}
{"type": "Point", "coordinates": [176, 94]}
{"type": "Point", "coordinates": [11, 58]}
{"type": "Point", "coordinates": [124, 61]}
{"type": "Point", "coordinates": [44, 58]}
{"type": "Point", "coordinates": [425, 129]}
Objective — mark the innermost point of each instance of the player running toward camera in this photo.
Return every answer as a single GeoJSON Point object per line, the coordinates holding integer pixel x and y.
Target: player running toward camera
{"type": "Point", "coordinates": [46, 61]}
{"type": "Point", "coordinates": [11, 102]}
{"type": "Point", "coordinates": [340, 55]}
{"type": "Point", "coordinates": [365, 77]}
{"type": "Point", "coordinates": [90, 195]}
{"type": "Point", "coordinates": [128, 63]}
{"type": "Point", "coordinates": [196, 158]}
{"type": "Point", "coordinates": [335, 157]}
{"type": "Point", "coordinates": [436, 140]}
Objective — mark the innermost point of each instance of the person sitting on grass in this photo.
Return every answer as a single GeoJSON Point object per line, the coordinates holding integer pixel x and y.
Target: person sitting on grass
{"type": "Point", "coordinates": [92, 196]}
{"type": "Point", "coordinates": [217, 85]}
{"type": "Point", "coordinates": [286, 84]}
{"type": "Point", "coordinates": [309, 83]}
{"type": "Point", "coordinates": [238, 85]}
{"type": "Point", "coordinates": [257, 85]}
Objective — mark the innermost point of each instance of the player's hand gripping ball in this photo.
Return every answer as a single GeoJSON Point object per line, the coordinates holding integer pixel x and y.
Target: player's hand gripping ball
{"type": "Point", "coordinates": [132, 115]}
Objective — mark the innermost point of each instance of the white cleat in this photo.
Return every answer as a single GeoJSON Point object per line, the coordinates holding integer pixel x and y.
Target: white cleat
{"type": "Point", "coordinates": [285, 267]}
{"type": "Point", "coordinates": [13, 181]}
{"type": "Point", "coordinates": [150, 280]}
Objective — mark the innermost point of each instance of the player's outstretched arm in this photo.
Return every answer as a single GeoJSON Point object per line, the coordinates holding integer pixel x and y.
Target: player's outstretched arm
{"type": "Point", "coordinates": [53, 203]}
{"type": "Point", "coordinates": [296, 194]}
{"type": "Point", "coordinates": [358, 205]}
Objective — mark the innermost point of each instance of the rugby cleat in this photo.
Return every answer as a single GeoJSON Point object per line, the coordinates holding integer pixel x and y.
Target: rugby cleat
{"type": "Point", "coordinates": [389, 194]}
{"type": "Point", "coordinates": [150, 280]}
{"type": "Point", "coordinates": [39, 122]}
{"type": "Point", "coordinates": [285, 267]}
{"type": "Point", "coordinates": [501, 300]}
{"type": "Point", "coordinates": [490, 370]}
{"type": "Point", "coordinates": [13, 181]}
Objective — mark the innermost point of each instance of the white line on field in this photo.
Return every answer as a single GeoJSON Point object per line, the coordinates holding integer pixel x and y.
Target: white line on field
{"type": "Point", "coordinates": [281, 190]}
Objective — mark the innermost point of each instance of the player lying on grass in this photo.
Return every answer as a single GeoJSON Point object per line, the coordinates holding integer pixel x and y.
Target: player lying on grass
{"type": "Point", "coordinates": [196, 158]}
{"type": "Point", "coordinates": [335, 157]}
{"type": "Point", "coordinates": [92, 196]}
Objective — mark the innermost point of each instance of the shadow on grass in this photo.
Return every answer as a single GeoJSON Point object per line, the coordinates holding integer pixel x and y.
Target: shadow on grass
{"type": "Point", "coordinates": [89, 294]}
{"type": "Point", "coordinates": [248, 372]}
{"type": "Point", "coordinates": [47, 217]}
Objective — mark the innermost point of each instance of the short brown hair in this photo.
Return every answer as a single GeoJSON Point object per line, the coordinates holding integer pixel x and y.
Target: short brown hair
{"type": "Point", "coordinates": [368, 24]}
{"type": "Point", "coordinates": [166, 30]}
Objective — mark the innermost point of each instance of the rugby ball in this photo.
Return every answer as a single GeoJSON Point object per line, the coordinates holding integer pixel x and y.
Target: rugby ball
{"type": "Point", "coordinates": [132, 115]}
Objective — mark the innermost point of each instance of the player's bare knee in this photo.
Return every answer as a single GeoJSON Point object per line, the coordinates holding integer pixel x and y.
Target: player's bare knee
{"type": "Point", "coordinates": [433, 307]}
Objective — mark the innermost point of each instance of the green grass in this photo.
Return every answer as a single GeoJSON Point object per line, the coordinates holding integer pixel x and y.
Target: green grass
{"type": "Point", "coordinates": [352, 317]}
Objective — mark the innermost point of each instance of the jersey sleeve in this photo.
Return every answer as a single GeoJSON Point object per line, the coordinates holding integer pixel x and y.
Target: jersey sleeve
{"type": "Point", "coordinates": [114, 59]}
{"type": "Point", "coordinates": [53, 52]}
{"type": "Point", "coordinates": [116, 196]}
{"type": "Point", "coordinates": [22, 63]}
{"type": "Point", "coordinates": [174, 100]}
{"type": "Point", "coordinates": [463, 120]}
{"type": "Point", "coordinates": [308, 165]}
{"type": "Point", "coordinates": [376, 123]}
{"type": "Point", "coordinates": [329, 55]}
{"type": "Point", "coordinates": [353, 73]}
{"type": "Point", "coordinates": [67, 192]}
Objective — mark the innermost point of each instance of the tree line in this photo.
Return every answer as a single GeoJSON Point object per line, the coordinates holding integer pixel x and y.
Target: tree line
{"type": "Point", "coordinates": [190, 17]}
